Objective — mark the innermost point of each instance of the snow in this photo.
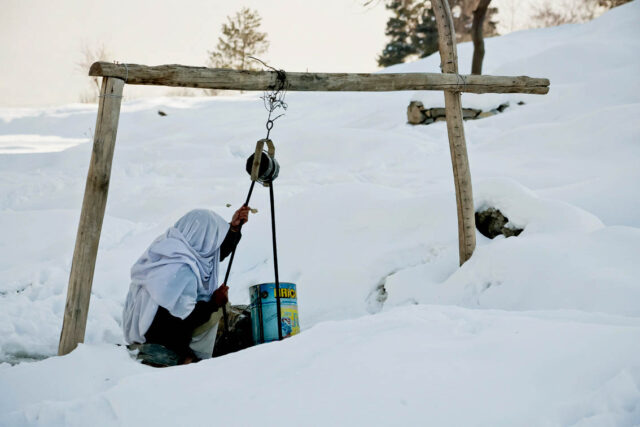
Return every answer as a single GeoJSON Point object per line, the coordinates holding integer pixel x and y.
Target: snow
{"type": "Point", "coordinates": [539, 329]}
{"type": "Point", "coordinates": [419, 364]}
{"type": "Point", "coordinates": [18, 144]}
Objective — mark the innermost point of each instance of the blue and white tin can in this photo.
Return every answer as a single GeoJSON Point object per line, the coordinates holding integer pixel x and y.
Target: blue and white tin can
{"type": "Point", "coordinates": [264, 312]}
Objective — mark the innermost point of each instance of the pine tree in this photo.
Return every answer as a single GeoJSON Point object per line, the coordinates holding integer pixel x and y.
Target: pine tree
{"type": "Point", "coordinates": [424, 37]}
{"type": "Point", "coordinates": [398, 29]}
{"type": "Point", "coordinates": [240, 39]}
{"type": "Point", "coordinates": [413, 30]}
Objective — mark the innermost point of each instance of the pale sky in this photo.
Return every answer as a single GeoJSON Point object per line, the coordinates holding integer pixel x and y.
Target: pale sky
{"type": "Point", "coordinates": [41, 40]}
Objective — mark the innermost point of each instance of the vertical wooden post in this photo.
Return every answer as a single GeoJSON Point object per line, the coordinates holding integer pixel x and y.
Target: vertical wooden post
{"type": "Point", "coordinates": [455, 129]}
{"type": "Point", "coordinates": [90, 226]}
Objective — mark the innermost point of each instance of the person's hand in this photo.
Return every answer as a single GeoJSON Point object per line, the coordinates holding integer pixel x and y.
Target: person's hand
{"type": "Point", "coordinates": [241, 216]}
{"type": "Point", "coordinates": [221, 295]}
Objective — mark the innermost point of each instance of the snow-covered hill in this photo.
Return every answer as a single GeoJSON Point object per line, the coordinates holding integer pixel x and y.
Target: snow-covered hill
{"type": "Point", "coordinates": [542, 329]}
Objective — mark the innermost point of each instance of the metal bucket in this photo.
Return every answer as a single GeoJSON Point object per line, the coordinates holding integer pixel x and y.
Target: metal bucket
{"type": "Point", "coordinates": [264, 312]}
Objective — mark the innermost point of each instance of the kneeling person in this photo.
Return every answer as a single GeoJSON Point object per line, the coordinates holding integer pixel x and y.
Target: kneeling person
{"type": "Point", "coordinates": [174, 285]}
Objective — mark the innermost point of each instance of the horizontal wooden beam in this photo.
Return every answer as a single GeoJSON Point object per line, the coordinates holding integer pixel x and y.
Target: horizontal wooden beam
{"type": "Point", "coordinates": [218, 78]}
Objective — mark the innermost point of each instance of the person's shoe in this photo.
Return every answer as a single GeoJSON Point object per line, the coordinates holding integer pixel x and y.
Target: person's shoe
{"type": "Point", "coordinates": [155, 355]}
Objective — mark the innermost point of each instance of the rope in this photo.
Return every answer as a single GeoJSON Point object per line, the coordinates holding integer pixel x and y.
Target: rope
{"type": "Point", "coordinates": [464, 81]}
{"type": "Point", "coordinates": [108, 95]}
{"type": "Point", "coordinates": [275, 259]}
{"type": "Point", "coordinates": [273, 99]}
{"type": "Point", "coordinates": [126, 70]}
{"type": "Point", "coordinates": [233, 255]}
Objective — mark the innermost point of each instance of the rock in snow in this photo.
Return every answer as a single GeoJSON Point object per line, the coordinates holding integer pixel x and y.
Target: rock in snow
{"type": "Point", "coordinates": [491, 223]}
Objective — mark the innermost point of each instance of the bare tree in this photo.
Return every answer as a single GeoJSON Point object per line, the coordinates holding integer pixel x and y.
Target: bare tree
{"type": "Point", "coordinates": [551, 14]}
{"type": "Point", "coordinates": [608, 4]}
{"type": "Point", "coordinates": [477, 35]}
{"type": "Point", "coordinates": [512, 8]}
{"type": "Point", "coordinates": [89, 56]}
{"type": "Point", "coordinates": [463, 15]}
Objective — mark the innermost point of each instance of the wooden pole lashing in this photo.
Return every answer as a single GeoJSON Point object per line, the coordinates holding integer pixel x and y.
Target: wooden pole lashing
{"type": "Point", "coordinates": [91, 216]}
{"type": "Point", "coordinates": [455, 130]}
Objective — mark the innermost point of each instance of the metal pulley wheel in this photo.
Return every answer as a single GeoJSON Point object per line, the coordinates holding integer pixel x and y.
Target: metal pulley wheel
{"type": "Point", "coordinates": [262, 165]}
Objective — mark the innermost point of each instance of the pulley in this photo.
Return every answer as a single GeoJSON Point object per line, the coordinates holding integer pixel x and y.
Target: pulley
{"type": "Point", "coordinates": [262, 165]}
{"type": "Point", "coordinates": [263, 168]}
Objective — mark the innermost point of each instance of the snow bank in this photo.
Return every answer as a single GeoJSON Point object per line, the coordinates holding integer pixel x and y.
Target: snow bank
{"type": "Point", "coordinates": [413, 365]}
{"type": "Point", "coordinates": [547, 323]}
{"type": "Point", "coordinates": [18, 144]}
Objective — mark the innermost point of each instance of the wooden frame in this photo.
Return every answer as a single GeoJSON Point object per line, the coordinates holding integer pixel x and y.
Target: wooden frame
{"type": "Point", "coordinates": [115, 76]}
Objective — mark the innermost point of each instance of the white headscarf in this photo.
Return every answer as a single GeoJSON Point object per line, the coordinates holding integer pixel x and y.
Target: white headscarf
{"type": "Point", "coordinates": [194, 241]}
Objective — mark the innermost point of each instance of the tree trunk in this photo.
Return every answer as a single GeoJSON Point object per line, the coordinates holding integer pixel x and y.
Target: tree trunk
{"type": "Point", "coordinates": [477, 37]}
{"type": "Point", "coordinates": [455, 130]}
{"type": "Point", "coordinates": [91, 216]}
